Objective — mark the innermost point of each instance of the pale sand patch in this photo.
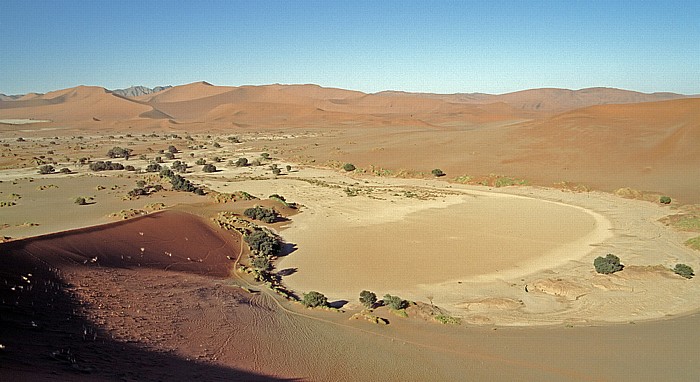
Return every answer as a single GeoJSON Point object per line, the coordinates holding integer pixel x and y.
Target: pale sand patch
{"type": "Point", "coordinates": [22, 121]}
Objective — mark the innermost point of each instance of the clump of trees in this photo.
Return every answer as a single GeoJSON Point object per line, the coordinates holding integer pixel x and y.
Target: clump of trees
{"type": "Point", "coordinates": [105, 166]}
{"type": "Point", "coordinates": [608, 264]}
{"type": "Point", "coordinates": [395, 302]}
{"type": "Point", "coordinates": [209, 168]}
{"type": "Point", "coordinates": [263, 242]}
{"type": "Point", "coordinates": [314, 299]}
{"type": "Point", "coordinates": [684, 271]}
{"type": "Point", "coordinates": [368, 299]}
{"type": "Point", "coordinates": [179, 183]}
{"type": "Point", "coordinates": [46, 169]}
{"type": "Point", "coordinates": [118, 152]}
{"type": "Point", "coordinates": [665, 200]}
{"type": "Point", "coordinates": [179, 166]}
{"type": "Point", "coordinates": [437, 173]}
{"type": "Point", "coordinates": [349, 167]}
{"type": "Point", "coordinates": [267, 215]}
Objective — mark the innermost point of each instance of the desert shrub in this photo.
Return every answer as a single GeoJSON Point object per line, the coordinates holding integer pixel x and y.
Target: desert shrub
{"type": "Point", "coordinates": [216, 145]}
{"type": "Point", "coordinates": [241, 162]}
{"type": "Point", "coordinates": [217, 159]}
{"type": "Point", "coordinates": [684, 271]}
{"type": "Point", "coordinates": [105, 166]}
{"type": "Point", "coordinates": [267, 215]}
{"type": "Point", "coordinates": [181, 184]}
{"type": "Point", "coordinates": [65, 170]}
{"type": "Point", "coordinates": [200, 162]}
{"type": "Point", "coordinates": [265, 155]}
{"type": "Point", "coordinates": [172, 149]}
{"type": "Point", "coordinates": [118, 152]}
{"type": "Point", "coordinates": [46, 169]}
{"type": "Point", "coordinates": [448, 319]}
{"type": "Point", "coordinates": [367, 298]}
{"type": "Point", "coordinates": [233, 139]}
{"type": "Point", "coordinates": [289, 168]}
{"type": "Point", "coordinates": [153, 167]}
{"type": "Point", "coordinates": [665, 200]}
{"type": "Point", "coordinates": [169, 156]}
{"type": "Point", "coordinates": [129, 168]}
{"type": "Point", "coordinates": [608, 264]}
{"type": "Point", "coordinates": [209, 168]}
{"type": "Point", "coordinates": [437, 173]}
{"type": "Point", "coordinates": [80, 201]}
{"type": "Point", "coordinates": [276, 171]}
{"type": "Point", "coordinates": [394, 302]}
{"type": "Point", "coordinates": [349, 167]}
{"type": "Point", "coordinates": [140, 183]}
{"type": "Point", "coordinates": [314, 299]}
{"type": "Point", "coordinates": [158, 160]}
{"type": "Point", "coordinates": [263, 243]}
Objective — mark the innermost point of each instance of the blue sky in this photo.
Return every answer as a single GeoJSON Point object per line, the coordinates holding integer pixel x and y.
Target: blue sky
{"type": "Point", "coordinates": [427, 46]}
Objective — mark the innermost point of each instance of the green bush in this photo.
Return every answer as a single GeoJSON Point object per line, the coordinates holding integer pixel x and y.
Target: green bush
{"type": "Point", "coordinates": [395, 302]}
{"type": "Point", "coordinates": [665, 200]}
{"type": "Point", "coordinates": [241, 162]}
{"type": "Point", "coordinates": [200, 162]}
{"type": "Point", "coordinates": [209, 168]}
{"type": "Point", "coordinates": [314, 299]}
{"type": "Point", "coordinates": [367, 298]}
{"type": "Point", "coordinates": [267, 215]}
{"type": "Point", "coordinates": [684, 271]}
{"type": "Point", "coordinates": [118, 152]}
{"type": "Point", "coordinates": [608, 264]}
{"type": "Point", "coordinates": [105, 166]}
{"type": "Point", "coordinates": [349, 167]}
{"type": "Point", "coordinates": [263, 243]}
{"type": "Point", "coordinates": [172, 149]}
{"type": "Point", "coordinates": [153, 167]}
{"type": "Point", "coordinates": [261, 263]}
{"type": "Point", "coordinates": [66, 170]}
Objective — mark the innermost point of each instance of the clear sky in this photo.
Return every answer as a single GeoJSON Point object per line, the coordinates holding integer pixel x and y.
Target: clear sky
{"type": "Point", "coordinates": [428, 46]}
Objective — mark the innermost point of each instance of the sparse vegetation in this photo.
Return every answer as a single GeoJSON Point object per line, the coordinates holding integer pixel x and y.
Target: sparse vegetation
{"type": "Point", "coordinates": [608, 264]}
{"type": "Point", "coordinates": [263, 242]}
{"type": "Point", "coordinates": [349, 167]}
{"type": "Point", "coordinates": [684, 271]}
{"type": "Point", "coordinates": [65, 170]}
{"type": "Point", "coordinates": [172, 149]}
{"type": "Point", "coordinates": [241, 162]}
{"type": "Point", "coordinates": [693, 243]}
{"type": "Point", "coordinates": [179, 166]}
{"type": "Point", "coordinates": [314, 299]}
{"type": "Point", "coordinates": [368, 299]}
{"type": "Point", "coordinates": [153, 167]}
{"type": "Point", "coordinates": [445, 319]}
{"type": "Point", "coordinates": [200, 162]}
{"type": "Point", "coordinates": [80, 201]}
{"type": "Point", "coordinates": [665, 200]}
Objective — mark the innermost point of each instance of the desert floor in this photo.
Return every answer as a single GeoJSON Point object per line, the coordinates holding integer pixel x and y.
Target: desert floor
{"type": "Point", "coordinates": [158, 295]}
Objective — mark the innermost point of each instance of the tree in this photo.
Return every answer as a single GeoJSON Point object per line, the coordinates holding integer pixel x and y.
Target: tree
{"type": "Point", "coordinates": [289, 168]}
{"type": "Point", "coordinates": [179, 166]}
{"type": "Point", "coordinates": [261, 263]}
{"type": "Point", "coordinates": [118, 152]}
{"type": "Point", "coordinates": [394, 302]}
{"type": "Point", "coordinates": [437, 173]}
{"type": "Point", "coordinates": [665, 200]}
{"type": "Point", "coordinates": [265, 155]}
{"type": "Point", "coordinates": [66, 170]}
{"type": "Point", "coordinates": [314, 299]}
{"type": "Point", "coordinates": [153, 167]}
{"type": "Point", "coordinates": [241, 162]}
{"type": "Point", "coordinates": [200, 162]}
{"type": "Point", "coordinates": [169, 156]}
{"type": "Point", "coordinates": [209, 168]}
{"type": "Point", "coordinates": [608, 264]}
{"type": "Point", "coordinates": [367, 298]}
{"type": "Point", "coordinates": [267, 215]}
{"type": "Point", "coordinates": [46, 169]}
{"type": "Point", "coordinates": [684, 271]}
{"type": "Point", "coordinates": [349, 167]}
{"type": "Point", "coordinates": [276, 171]}
{"type": "Point", "coordinates": [172, 149]}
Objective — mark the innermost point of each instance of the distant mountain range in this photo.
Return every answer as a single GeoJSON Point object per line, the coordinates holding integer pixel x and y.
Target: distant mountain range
{"type": "Point", "coordinates": [136, 91]}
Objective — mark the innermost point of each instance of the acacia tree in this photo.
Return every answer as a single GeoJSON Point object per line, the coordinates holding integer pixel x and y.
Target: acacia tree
{"type": "Point", "coordinates": [314, 299]}
{"type": "Point", "coordinates": [368, 299]}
